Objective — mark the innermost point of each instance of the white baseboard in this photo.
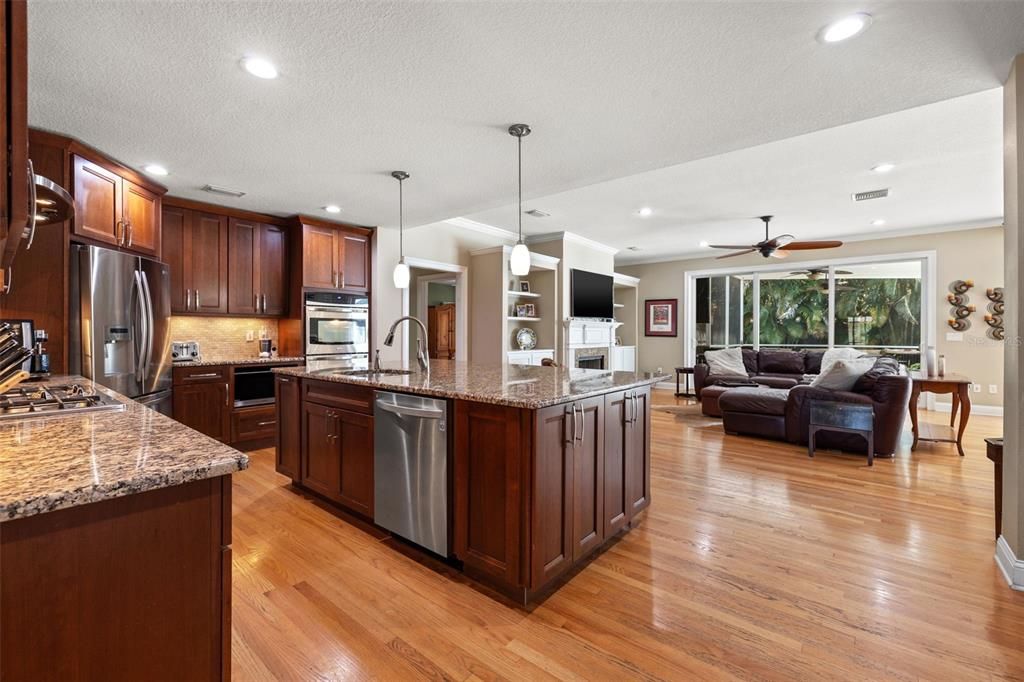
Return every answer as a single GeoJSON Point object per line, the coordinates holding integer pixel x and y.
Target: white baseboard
{"type": "Point", "coordinates": [1009, 564]}
{"type": "Point", "coordinates": [668, 385]}
{"type": "Point", "coordinates": [987, 410]}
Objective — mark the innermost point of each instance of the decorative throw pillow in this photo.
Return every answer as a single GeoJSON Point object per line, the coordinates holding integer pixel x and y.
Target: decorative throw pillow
{"type": "Point", "coordinates": [841, 375]}
{"type": "Point", "coordinates": [812, 361]}
{"type": "Point", "coordinates": [728, 361]}
{"type": "Point", "coordinates": [883, 367]}
{"type": "Point", "coordinates": [833, 354]}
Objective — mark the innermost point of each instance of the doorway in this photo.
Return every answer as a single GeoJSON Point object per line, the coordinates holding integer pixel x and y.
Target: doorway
{"type": "Point", "coordinates": [439, 297]}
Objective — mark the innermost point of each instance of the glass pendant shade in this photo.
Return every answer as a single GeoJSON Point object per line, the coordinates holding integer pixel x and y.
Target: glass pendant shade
{"type": "Point", "coordinates": [401, 275]}
{"type": "Point", "coordinates": [519, 261]}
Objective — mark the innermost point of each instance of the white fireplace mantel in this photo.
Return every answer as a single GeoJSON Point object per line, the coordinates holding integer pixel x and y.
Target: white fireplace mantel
{"type": "Point", "coordinates": [588, 335]}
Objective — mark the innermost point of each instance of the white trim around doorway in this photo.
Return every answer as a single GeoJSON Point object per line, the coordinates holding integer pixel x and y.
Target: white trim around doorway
{"type": "Point", "coordinates": [443, 271]}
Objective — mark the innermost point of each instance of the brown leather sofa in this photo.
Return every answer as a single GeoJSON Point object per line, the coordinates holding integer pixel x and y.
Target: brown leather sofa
{"type": "Point", "coordinates": [784, 414]}
{"type": "Point", "coordinates": [769, 367]}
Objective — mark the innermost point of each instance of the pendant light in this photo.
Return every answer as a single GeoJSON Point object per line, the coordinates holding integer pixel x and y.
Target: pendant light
{"type": "Point", "coordinates": [401, 273]}
{"type": "Point", "coordinates": [519, 261]}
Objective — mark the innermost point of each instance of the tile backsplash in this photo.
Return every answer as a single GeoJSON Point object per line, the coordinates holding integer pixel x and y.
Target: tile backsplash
{"type": "Point", "coordinates": [223, 337]}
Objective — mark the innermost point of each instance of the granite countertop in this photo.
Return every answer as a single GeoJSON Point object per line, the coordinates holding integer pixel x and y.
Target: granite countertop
{"type": "Point", "coordinates": [513, 385]}
{"type": "Point", "coordinates": [210, 361]}
{"type": "Point", "coordinates": [50, 463]}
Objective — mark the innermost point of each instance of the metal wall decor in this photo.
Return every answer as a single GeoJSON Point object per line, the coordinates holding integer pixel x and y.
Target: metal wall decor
{"type": "Point", "coordinates": [961, 308]}
{"type": "Point", "coordinates": [994, 318]}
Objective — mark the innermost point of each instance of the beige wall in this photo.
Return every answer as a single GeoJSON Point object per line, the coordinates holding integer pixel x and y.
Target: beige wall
{"type": "Point", "coordinates": [966, 254]}
{"type": "Point", "coordinates": [1013, 198]}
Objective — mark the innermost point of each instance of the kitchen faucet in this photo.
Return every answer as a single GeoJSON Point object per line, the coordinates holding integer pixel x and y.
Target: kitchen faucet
{"type": "Point", "coordinates": [421, 351]}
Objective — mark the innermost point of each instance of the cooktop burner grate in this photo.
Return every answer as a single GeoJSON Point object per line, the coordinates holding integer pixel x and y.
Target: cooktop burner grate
{"type": "Point", "coordinates": [39, 401]}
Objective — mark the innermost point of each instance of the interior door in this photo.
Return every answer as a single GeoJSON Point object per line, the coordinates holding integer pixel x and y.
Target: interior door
{"type": "Point", "coordinates": [173, 244]}
{"type": "Point", "coordinates": [142, 213]}
{"type": "Point", "coordinates": [319, 257]}
{"type": "Point", "coordinates": [243, 266]}
{"type": "Point", "coordinates": [207, 262]}
{"type": "Point", "coordinates": [273, 268]}
{"type": "Point", "coordinates": [588, 484]}
{"type": "Point", "coordinates": [98, 202]}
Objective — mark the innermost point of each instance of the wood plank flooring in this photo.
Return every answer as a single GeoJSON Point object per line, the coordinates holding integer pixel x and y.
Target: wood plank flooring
{"type": "Point", "coordinates": [752, 563]}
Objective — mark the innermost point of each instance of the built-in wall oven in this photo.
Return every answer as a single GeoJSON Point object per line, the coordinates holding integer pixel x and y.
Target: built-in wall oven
{"type": "Point", "coordinates": [337, 325]}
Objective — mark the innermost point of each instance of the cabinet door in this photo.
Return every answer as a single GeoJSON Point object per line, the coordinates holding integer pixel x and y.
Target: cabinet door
{"type": "Point", "coordinates": [206, 263]}
{"type": "Point", "coordinates": [588, 475]}
{"type": "Point", "coordinates": [321, 457]}
{"type": "Point", "coordinates": [141, 212]}
{"type": "Point", "coordinates": [98, 202]}
{"type": "Point", "coordinates": [551, 521]}
{"type": "Point", "coordinates": [354, 259]}
{"type": "Point", "coordinates": [173, 244]}
{"type": "Point", "coordinates": [618, 410]}
{"type": "Point", "coordinates": [14, 128]}
{"type": "Point", "coordinates": [289, 426]}
{"type": "Point", "coordinates": [638, 454]}
{"type": "Point", "coordinates": [319, 257]}
{"type": "Point", "coordinates": [243, 266]}
{"type": "Point", "coordinates": [273, 268]}
{"type": "Point", "coordinates": [204, 407]}
{"type": "Point", "coordinates": [355, 436]}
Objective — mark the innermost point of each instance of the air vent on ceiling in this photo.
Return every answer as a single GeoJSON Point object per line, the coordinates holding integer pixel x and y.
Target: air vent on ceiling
{"type": "Point", "coordinates": [632, 248]}
{"type": "Point", "coordinates": [537, 213]}
{"type": "Point", "coordinates": [871, 194]}
{"type": "Point", "coordinates": [214, 189]}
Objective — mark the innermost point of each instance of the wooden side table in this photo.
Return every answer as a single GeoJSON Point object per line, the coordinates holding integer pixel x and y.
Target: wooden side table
{"type": "Point", "coordinates": [686, 372]}
{"type": "Point", "coordinates": [960, 387]}
{"type": "Point", "coordinates": [827, 415]}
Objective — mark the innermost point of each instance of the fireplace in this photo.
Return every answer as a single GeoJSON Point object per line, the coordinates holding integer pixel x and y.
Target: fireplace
{"type": "Point", "coordinates": [590, 361]}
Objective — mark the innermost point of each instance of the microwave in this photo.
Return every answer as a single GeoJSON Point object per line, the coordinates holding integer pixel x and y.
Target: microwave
{"type": "Point", "coordinates": [336, 324]}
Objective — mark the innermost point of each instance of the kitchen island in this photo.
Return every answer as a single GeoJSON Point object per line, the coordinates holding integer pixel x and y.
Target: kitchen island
{"type": "Point", "coordinates": [547, 464]}
{"type": "Point", "coordinates": [115, 557]}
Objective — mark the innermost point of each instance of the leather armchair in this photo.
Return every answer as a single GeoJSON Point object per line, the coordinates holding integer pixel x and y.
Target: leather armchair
{"type": "Point", "coordinates": [890, 397]}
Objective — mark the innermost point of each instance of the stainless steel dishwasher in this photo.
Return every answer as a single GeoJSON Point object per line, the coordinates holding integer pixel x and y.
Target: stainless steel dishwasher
{"type": "Point", "coordinates": [410, 468]}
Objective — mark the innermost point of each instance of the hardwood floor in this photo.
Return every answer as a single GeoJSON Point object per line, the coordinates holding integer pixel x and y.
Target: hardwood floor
{"type": "Point", "coordinates": [753, 562]}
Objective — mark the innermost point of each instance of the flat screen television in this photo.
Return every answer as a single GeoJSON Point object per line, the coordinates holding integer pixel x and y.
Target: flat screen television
{"type": "Point", "coordinates": [592, 295]}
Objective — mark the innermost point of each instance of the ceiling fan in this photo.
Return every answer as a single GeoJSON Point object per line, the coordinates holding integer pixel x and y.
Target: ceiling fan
{"type": "Point", "coordinates": [778, 247]}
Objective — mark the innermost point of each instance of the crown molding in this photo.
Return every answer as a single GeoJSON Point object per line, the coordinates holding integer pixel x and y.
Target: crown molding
{"type": "Point", "coordinates": [483, 228]}
{"type": "Point", "coordinates": [572, 238]}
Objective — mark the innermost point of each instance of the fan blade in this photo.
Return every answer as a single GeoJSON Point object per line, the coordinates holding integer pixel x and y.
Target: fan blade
{"type": "Point", "coordinates": [738, 253]}
{"type": "Point", "coordinates": [734, 247]}
{"type": "Point", "coordinates": [780, 241]}
{"type": "Point", "coordinates": [778, 254]}
{"type": "Point", "coordinates": [802, 246]}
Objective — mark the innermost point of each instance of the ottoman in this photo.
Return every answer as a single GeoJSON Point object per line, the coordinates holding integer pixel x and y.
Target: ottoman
{"type": "Point", "coordinates": [754, 411]}
{"type": "Point", "coordinates": [709, 400]}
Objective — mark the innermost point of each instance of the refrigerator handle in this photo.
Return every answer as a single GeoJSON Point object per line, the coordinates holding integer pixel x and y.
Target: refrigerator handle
{"type": "Point", "coordinates": [138, 345]}
{"type": "Point", "coordinates": [150, 322]}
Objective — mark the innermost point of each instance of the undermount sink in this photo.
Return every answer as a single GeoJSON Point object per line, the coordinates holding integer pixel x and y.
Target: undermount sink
{"type": "Point", "coordinates": [372, 372]}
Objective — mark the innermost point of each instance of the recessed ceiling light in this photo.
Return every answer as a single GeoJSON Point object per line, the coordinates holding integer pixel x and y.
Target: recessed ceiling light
{"type": "Point", "coordinates": [260, 67]}
{"type": "Point", "coordinates": [155, 169]}
{"type": "Point", "coordinates": [883, 167]}
{"type": "Point", "coordinates": [332, 208]}
{"type": "Point", "coordinates": [878, 222]}
{"type": "Point", "coordinates": [845, 28]}
{"type": "Point", "coordinates": [704, 243]}
{"type": "Point", "coordinates": [645, 211]}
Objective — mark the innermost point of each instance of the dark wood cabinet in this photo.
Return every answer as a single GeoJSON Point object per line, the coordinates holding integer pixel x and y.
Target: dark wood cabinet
{"type": "Point", "coordinates": [14, 163]}
{"type": "Point", "coordinates": [627, 467]}
{"type": "Point", "coordinates": [335, 257]}
{"type": "Point", "coordinates": [289, 431]}
{"type": "Point", "coordinates": [114, 210]}
{"type": "Point", "coordinates": [551, 522]}
{"type": "Point", "coordinates": [195, 248]}
{"type": "Point", "coordinates": [201, 399]}
{"type": "Point", "coordinates": [441, 331]}
{"type": "Point", "coordinates": [257, 263]}
{"type": "Point", "coordinates": [337, 447]}
{"type": "Point", "coordinates": [588, 477]}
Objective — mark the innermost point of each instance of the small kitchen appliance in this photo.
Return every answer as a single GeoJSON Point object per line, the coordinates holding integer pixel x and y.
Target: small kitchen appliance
{"type": "Point", "coordinates": [184, 351]}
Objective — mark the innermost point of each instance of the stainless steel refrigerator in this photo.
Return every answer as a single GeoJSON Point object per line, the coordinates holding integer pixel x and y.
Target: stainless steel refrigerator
{"type": "Point", "coordinates": [120, 323]}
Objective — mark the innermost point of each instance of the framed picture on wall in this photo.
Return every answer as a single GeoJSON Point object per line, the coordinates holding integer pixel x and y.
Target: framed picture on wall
{"type": "Point", "coordinates": [660, 316]}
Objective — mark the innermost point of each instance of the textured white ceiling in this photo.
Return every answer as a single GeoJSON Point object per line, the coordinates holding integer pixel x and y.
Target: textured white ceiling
{"type": "Point", "coordinates": [948, 174]}
{"type": "Point", "coordinates": [612, 89]}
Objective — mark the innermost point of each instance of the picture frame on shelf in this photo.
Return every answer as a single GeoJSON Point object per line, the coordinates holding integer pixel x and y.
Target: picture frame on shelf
{"type": "Point", "coordinates": [660, 315]}
{"type": "Point", "coordinates": [524, 287]}
{"type": "Point", "coordinates": [526, 310]}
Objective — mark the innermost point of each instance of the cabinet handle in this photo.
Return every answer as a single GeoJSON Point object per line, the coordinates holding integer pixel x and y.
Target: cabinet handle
{"type": "Point", "coordinates": [129, 230]}
{"type": "Point", "coordinates": [197, 300]}
{"type": "Point", "coordinates": [264, 297]}
{"type": "Point", "coordinates": [227, 396]}
{"type": "Point", "coordinates": [32, 196]}
{"type": "Point", "coordinates": [8, 280]}
{"type": "Point", "coordinates": [583, 425]}
{"type": "Point", "coordinates": [188, 300]}
{"type": "Point", "coordinates": [208, 375]}
{"type": "Point", "coordinates": [626, 403]}
{"type": "Point", "coordinates": [636, 408]}
{"type": "Point", "coordinates": [342, 279]}
{"type": "Point", "coordinates": [119, 232]}
{"type": "Point", "coordinates": [266, 423]}
{"type": "Point", "coordinates": [256, 302]}
{"type": "Point", "coordinates": [284, 380]}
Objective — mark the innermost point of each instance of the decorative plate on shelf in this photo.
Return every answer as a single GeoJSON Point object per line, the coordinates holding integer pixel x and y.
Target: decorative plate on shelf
{"type": "Point", "coordinates": [526, 338]}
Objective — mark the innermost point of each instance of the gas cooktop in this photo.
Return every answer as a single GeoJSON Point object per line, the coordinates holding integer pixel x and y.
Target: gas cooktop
{"type": "Point", "coordinates": [53, 400]}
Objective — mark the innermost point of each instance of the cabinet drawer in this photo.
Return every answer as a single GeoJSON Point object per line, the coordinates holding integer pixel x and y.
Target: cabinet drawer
{"type": "Point", "coordinates": [253, 423]}
{"type": "Point", "coordinates": [345, 396]}
{"type": "Point", "coordinates": [192, 375]}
